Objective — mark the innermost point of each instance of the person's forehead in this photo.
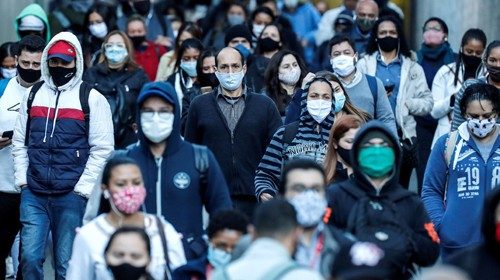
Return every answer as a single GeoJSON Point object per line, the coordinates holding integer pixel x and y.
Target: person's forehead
{"type": "Point", "coordinates": [342, 46]}
{"type": "Point", "coordinates": [433, 23]}
{"type": "Point", "coordinates": [320, 87]}
{"type": "Point", "coordinates": [367, 7]}
{"type": "Point", "coordinates": [26, 55]}
{"type": "Point", "coordinates": [155, 101]}
{"type": "Point", "coordinates": [116, 38]}
{"type": "Point", "coordinates": [136, 24]}
{"type": "Point", "coordinates": [304, 176]}
{"type": "Point", "coordinates": [387, 25]}
{"type": "Point", "coordinates": [229, 56]}
{"type": "Point", "coordinates": [288, 59]}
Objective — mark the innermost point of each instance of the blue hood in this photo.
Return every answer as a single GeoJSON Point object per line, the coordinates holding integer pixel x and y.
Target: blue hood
{"type": "Point", "coordinates": [167, 92]}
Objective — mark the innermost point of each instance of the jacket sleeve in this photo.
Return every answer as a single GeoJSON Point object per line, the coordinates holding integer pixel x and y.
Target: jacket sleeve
{"type": "Point", "coordinates": [101, 141]}
{"type": "Point", "coordinates": [420, 103]}
{"type": "Point", "coordinates": [81, 264]}
{"type": "Point", "coordinates": [19, 150]}
{"type": "Point", "coordinates": [384, 110]}
{"type": "Point", "coordinates": [325, 26]}
{"type": "Point", "coordinates": [192, 133]}
{"type": "Point", "coordinates": [274, 121]}
{"type": "Point", "coordinates": [425, 238]}
{"type": "Point", "coordinates": [433, 188]}
{"type": "Point", "coordinates": [216, 196]}
{"type": "Point", "coordinates": [268, 172]}
{"type": "Point", "coordinates": [440, 94]}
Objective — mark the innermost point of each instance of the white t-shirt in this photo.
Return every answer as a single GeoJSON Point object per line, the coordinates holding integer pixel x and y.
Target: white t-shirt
{"type": "Point", "coordinates": [10, 102]}
{"type": "Point", "coordinates": [87, 259]}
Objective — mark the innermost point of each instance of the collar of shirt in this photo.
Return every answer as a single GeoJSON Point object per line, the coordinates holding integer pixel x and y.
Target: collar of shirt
{"type": "Point", "coordinates": [305, 253]}
{"type": "Point", "coordinates": [396, 60]}
{"type": "Point", "coordinates": [220, 93]}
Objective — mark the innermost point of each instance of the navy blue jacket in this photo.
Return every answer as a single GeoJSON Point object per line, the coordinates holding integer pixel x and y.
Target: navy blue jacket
{"type": "Point", "coordinates": [193, 268]}
{"type": "Point", "coordinates": [181, 198]}
{"type": "Point", "coordinates": [294, 109]}
{"type": "Point", "coordinates": [238, 154]}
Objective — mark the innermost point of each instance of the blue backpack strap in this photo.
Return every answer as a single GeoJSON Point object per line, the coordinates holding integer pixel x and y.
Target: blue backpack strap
{"type": "Point", "coordinates": [3, 85]}
{"type": "Point", "coordinates": [372, 83]}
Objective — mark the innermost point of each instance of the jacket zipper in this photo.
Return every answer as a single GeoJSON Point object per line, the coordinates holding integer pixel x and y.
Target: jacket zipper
{"type": "Point", "coordinates": [158, 186]}
{"type": "Point", "coordinates": [50, 138]}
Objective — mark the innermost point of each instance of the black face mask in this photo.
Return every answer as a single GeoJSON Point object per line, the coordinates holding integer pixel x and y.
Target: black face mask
{"type": "Point", "coordinates": [142, 7]}
{"type": "Point", "coordinates": [493, 73]}
{"type": "Point", "coordinates": [388, 43]}
{"type": "Point", "coordinates": [126, 271]}
{"type": "Point", "coordinates": [471, 61]}
{"type": "Point", "coordinates": [208, 80]}
{"type": "Point", "coordinates": [61, 75]}
{"type": "Point", "coordinates": [268, 44]}
{"type": "Point", "coordinates": [29, 75]}
{"type": "Point", "coordinates": [344, 154]}
{"type": "Point", "coordinates": [137, 41]}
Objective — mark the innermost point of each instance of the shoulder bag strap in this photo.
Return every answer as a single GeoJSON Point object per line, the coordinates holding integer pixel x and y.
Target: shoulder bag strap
{"type": "Point", "coordinates": [161, 230]}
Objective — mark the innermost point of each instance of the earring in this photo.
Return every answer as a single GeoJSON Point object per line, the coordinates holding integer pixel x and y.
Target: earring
{"type": "Point", "coordinates": [106, 194]}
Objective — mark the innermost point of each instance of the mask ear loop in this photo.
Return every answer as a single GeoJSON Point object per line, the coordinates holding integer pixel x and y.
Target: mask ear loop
{"type": "Point", "coordinates": [107, 196]}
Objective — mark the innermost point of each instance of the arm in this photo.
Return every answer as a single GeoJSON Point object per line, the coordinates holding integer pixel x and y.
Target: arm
{"type": "Point", "coordinates": [19, 150]}
{"type": "Point", "coordinates": [268, 172]}
{"type": "Point", "coordinates": [433, 188]}
{"type": "Point", "coordinates": [81, 264]}
{"type": "Point", "coordinates": [384, 109]}
{"type": "Point", "coordinates": [216, 196]}
{"type": "Point", "coordinates": [425, 238]}
{"type": "Point", "coordinates": [192, 133]}
{"type": "Point", "coordinates": [420, 102]}
{"type": "Point", "coordinates": [274, 121]}
{"type": "Point", "coordinates": [325, 26]}
{"type": "Point", "coordinates": [101, 141]}
{"type": "Point", "coordinates": [440, 94]}
{"type": "Point", "coordinates": [176, 254]}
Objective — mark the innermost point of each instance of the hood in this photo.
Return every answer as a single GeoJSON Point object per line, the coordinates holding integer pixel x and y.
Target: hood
{"type": "Point", "coordinates": [360, 177]}
{"type": "Point", "coordinates": [72, 40]}
{"type": "Point", "coordinates": [306, 118]}
{"type": "Point", "coordinates": [489, 225]}
{"type": "Point", "coordinates": [35, 10]}
{"type": "Point", "coordinates": [166, 91]}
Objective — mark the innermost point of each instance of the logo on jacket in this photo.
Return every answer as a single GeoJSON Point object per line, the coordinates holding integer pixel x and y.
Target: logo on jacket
{"type": "Point", "coordinates": [182, 180]}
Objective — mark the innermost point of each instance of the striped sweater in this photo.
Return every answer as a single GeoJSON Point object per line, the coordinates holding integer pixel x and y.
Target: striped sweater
{"type": "Point", "coordinates": [311, 141]}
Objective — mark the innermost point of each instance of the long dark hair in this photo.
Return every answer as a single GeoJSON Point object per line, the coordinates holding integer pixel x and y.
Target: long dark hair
{"type": "Point", "coordinates": [471, 34]}
{"type": "Point", "coordinates": [191, 43]}
{"type": "Point", "coordinates": [105, 11]}
{"type": "Point", "coordinates": [189, 27]}
{"type": "Point", "coordinates": [206, 53]}
{"type": "Point", "coordinates": [487, 52]}
{"type": "Point", "coordinates": [372, 46]}
{"type": "Point", "coordinates": [478, 92]}
{"type": "Point", "coordinates": [271, 79]}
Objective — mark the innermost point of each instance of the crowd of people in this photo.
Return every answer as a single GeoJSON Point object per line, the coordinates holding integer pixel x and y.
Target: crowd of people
{"type": "Point", "coordinates": [267, 139]}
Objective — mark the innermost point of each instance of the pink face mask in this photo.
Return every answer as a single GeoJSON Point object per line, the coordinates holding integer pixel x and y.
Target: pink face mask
{"type": "Point", "coordinates": [129, 199]}
{"type": "Point", "coordinates": [433, 37]}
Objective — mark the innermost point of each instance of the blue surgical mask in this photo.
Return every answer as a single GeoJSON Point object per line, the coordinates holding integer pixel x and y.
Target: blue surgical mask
{"type": "Point", "coordinates": [115, 54]}
{"type": "Point", "coordinates": [235, 19]}
{"type": "Point", "coordinates": [189, 67]}
{"type": "Point", "coordinates": [218, 258]}
{"type": "Point", "coordinates": [244, 51]}
{"type": "Point", "coordinates": [339, 101]}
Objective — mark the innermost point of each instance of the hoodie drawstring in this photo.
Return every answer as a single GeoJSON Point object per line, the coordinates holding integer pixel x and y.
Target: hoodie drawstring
{"type": "Point", "coordinates": [46, 125]}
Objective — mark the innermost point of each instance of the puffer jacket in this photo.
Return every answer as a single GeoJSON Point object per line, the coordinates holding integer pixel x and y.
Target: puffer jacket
{"type": "Point", "coordinates": [60, 157]}
{"type": "Point", "coordinates": [414, 97]}
{"type": "Point", "coordinates": [311, 141]}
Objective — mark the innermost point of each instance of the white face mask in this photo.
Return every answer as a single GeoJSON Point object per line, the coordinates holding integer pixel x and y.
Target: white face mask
{"type": "Point", "coordinates": [343, 65]}
{"type": "Point", "coordinates": [257, 29]}
{"type": "Point", "coordinates": [290, 77]}
{"type": "Point", "coordinates": [9, 73]}
{"type": "Point", "coordinates": [310, 207]}
{"type": "Point", "coordinates": [230, 81]}
{"type": "Point", "coordinates": [155, 127]}
{"type": "Point", "coordinates": [291, 4]}
{"type": "Point", "coordinates": [481, 128]}
{"type": "Point", "coordinates": [100, 30]}
{"type": "Point", "coordinates": [319, 109]}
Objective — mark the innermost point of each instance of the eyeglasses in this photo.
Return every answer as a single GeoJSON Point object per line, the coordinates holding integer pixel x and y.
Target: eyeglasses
{"type": "Point", "coordinates": [114, 45]}
{"type": "Point", "coordinates": [301, 188]}
{"type": "Point", "coordinates": [151, 114]}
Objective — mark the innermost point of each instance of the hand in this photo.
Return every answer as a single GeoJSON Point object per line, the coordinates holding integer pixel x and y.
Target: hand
{"type": "Point", "coordinates": [265, 197]}
{"type": "Point", "coordinates": [309, 77]}
{"type": "Point", "coordinates": [4, 142]}
{"type": "Point", "coordinates": [164, 41]}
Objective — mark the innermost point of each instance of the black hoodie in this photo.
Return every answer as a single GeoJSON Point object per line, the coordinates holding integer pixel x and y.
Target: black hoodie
{"type": "Point", "coordinates": [483, 261]}
{"type": "Point", "coordinates": [342, 197]}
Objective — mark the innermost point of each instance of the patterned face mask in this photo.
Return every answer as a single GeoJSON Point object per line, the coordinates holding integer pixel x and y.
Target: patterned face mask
{"type": "Point", "coordinates": [481, 128]}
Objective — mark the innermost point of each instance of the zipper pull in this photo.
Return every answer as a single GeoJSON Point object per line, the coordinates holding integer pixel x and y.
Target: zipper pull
{"type": "Point", "coordinates": [77, 153]}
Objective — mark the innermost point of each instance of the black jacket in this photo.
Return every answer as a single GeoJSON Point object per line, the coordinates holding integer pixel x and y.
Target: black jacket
{"type": "Point", "coordinates": [483, 261]}
{"type": "Point", "coordinates": [238, 154]}
{"type": "Point", "coordinates": [409, 206]}
{"type": "Point", "coordinates": [121, 89]}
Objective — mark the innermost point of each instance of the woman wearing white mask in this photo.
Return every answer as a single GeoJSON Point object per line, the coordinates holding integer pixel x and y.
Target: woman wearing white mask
{"type": "Point", "coordinates": [184, 78]}
{"type": "Point", "coordinates": [99, 21]}
{"type": "Point", "coordinates": [124, 191]}
{"type": "Point", "coordinates": [261, 17]}
{"type": "Point", "coordinates": [305, 138]}
{"type": "Point", "coordinates": [283, 79]}
{"type": "Point", "coordinates": [119, 79]}
{"type": "Point", "coordinates": [8, 68]}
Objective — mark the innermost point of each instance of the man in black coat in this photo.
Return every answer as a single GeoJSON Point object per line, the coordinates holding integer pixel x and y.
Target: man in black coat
{"type": "Point", "coordinates": [376, 157]}
{"type": "Point", "coordinates": [236, 125]}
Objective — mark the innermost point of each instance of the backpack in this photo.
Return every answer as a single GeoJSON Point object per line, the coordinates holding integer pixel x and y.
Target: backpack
{"type": "Point", "coordinates": [372, 83]}
{"type": "Point", "coordinates": [291, 130]}
{"type": "Point", "coordinates": [451, 144]}
{"type": "Point", "coordinates": [378, 221]}
{"type": "Point", "coordinates": [85, 89]}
